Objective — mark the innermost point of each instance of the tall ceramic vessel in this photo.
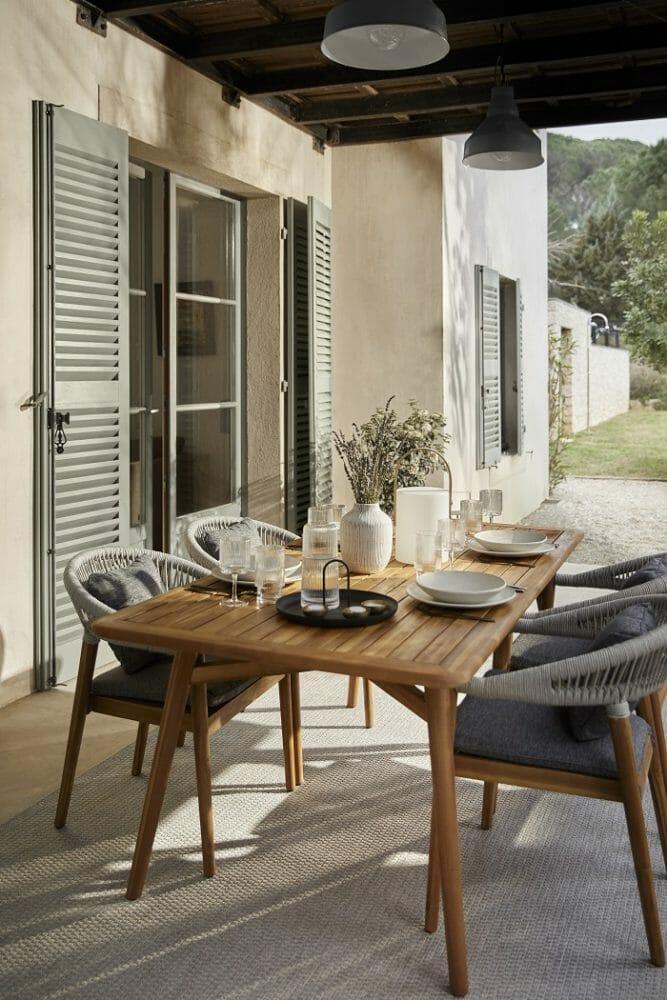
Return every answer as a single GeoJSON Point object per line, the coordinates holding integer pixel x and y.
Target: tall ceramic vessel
{"type": "Point", "coordinates": [366, 538]}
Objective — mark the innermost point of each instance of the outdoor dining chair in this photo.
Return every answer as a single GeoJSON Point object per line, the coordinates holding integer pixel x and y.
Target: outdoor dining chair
{"type": "Point", "coordinates": [139, 696]}
{"type": "Point", "coordinates": [512, 728]}
{"type": "Point", "coordinates": [197, 540]}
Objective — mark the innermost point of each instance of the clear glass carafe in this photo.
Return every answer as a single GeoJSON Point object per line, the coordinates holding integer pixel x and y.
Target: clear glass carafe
{"type": "Point", "coordinates": [311, 582]}
{"type": "Point", "coordinates": [320, 535]}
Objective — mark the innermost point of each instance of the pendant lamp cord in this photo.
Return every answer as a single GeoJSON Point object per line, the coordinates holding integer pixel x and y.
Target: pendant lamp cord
{"type": "Point", "coordinates": [501, 75]}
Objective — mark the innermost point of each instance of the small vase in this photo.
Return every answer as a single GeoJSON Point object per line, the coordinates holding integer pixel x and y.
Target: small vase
{"type": "Point", "coordinates": [366, 538]}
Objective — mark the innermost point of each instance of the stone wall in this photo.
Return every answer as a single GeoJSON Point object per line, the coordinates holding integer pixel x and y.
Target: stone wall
{"type": "Point", "coordinates": [599, 386]}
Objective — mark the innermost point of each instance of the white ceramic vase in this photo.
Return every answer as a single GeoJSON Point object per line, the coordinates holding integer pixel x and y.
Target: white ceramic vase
{"type": "Point", "coordinates": [366, 538]}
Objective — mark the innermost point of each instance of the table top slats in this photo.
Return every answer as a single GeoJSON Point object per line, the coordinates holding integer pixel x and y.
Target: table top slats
{"type": "Point", "coordinates": [414, 647]}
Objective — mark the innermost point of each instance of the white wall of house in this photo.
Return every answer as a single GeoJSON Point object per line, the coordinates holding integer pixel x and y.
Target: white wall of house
{"type": "Point", "coordinates": [175, 118]}
{"type": "Point", "coordinates": [410, 224]}
{"type": "Point", "coordinates": [599, 383]}
{"type": "Point", "coordinates": [497, 219]}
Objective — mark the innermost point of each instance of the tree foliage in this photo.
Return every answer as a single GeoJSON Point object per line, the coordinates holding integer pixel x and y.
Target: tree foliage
{"type": "Point", "coordinates": [643, 288]}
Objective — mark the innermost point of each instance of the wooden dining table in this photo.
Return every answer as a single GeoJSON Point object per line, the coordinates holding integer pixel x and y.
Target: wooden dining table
{"type": "Point", "coordinates": [419, 657]}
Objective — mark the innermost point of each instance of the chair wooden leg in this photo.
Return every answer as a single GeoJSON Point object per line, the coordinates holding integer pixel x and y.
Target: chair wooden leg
{"type": "Point", "coordinates": [621, 733]}
{"type": "Point", "coordinates": [433, 896]}
{"type": "Point", "coordinates": [199, 703]}
{"type": "Point", "coordinates": [296, 725]}
{"type": "Point", "coordinates": [369, 704]}
{"type": "Point", "coordinates": [503, 654]}
{"type": "Point", "coordinates": [659, 731]}
{"type": "Point", "coordinates": [547, 598]}
{"type": "Point", "coordinates": [489, 804]}
{"type": "Point", "coordinates": [139, 748]}
{"type": "Point", "coordinates": [285, 691]}
{"type": "Point", "coordinates": [441, 713]}
{"type": "Point", "coordinates": [353, 692]}
{"type": "Point", "coordinates": [77, 722]}
{"type": "Point", "coordinates": [181, 738]}
{"type": "Point", "coordinates": [656, 774]}
{"type": "Point", "coordinates": [170, 724]}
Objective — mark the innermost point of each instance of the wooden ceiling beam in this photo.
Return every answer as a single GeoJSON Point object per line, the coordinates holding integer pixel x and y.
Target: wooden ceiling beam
{"type": "Point", "coordinates": [543, 51]}
{"type": "Point", "coordinates": [240, 43]}
{"type": "Point", "coordinates": [570, 114]}
{"type": "Point", "coordinates": [133, 8]}
{"type": "Point", "coordinates": [529, 89]}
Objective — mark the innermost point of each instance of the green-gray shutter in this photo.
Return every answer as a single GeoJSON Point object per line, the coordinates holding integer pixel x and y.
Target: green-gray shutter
{"type": "Point", "coordinates": [321, 347]}
{"type": "Point", "coordinates": [520, 398]}
{"type": "Point", "coordinates": [489, 437]}
{"type": "Point", "coordinates": [297, 365]}
{"type": "Point", "coordinates": [84, 296]}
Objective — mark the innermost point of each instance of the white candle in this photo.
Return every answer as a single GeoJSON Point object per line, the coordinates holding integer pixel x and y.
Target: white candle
{"type": "Point", "coordinates": [418, 508]}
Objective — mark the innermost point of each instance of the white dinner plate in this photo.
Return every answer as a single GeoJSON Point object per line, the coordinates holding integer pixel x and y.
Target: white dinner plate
{"type": "Point", "coordinates": [462, 586]}
{"type": "Point", "coordinates": [292, 572]}
{"type": "Point", "coordinates": [532, 550]}
{"type": "Point", "coordinates": [510, 539]}
{"type": "Point", "coordinates": [414, 590]}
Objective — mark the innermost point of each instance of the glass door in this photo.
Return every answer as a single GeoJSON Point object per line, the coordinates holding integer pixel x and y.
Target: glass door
{"type": "Point", "coordinates": [205, 356]}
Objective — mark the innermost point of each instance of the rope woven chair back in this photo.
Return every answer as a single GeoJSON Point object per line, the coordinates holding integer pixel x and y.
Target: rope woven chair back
{"type": "Point", "coordinates": [174, 572]}
{"type": "Point", "coordinates": [625, 672]}
{"type": "Point", "coordinates": [195, 532]}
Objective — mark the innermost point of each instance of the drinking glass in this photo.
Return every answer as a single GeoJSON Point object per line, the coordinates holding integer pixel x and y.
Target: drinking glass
{"type": "Point", "coordinates": [471, 515]}
{"type": "Point", "coordinates": [428, 556]}
{"type": "Point", "coordinates": [335, 513]}
{"type": "Point", "coordinates": [492, 503]}
{"type": "Point", "coordinates": [269, 573]}
{"type": "Point", "coordinates": [235, 554]}
{"type": "Point", "coordinates": [458, 497]}
{"type": "Point", "coordinates": [452, 537]}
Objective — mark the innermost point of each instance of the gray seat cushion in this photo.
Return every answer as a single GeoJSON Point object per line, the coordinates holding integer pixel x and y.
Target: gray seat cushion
{"type": "Point", "coordinates": [243, 528]}
{"type": "Point", "coordinates": [654, 568]}
{"type": "Point", "coordinates": [150, 684]}
{"type": "Point", "coordinates": [122, 587]}
{"type": "Point", "coordinates": [533, 650]}
{"type": "Point", "coordinates": [538, 736]}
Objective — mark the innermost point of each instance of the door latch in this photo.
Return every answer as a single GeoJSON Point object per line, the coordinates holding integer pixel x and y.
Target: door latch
{"type": "Point", "coordinates": [56, 421]}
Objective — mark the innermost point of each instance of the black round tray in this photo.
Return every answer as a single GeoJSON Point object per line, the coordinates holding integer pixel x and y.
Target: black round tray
{"type": "Point", "coordinates": [290, 607]}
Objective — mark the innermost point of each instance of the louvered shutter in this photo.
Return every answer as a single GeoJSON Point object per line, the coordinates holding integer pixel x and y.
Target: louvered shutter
{"type": "Point", "coordinates": [321, 338]}
{"type": "Point", "coordinates": [87, 221]}
{"type": "Point", "coordinates": [520, 390]}
{"type": "Point", "coordinates": [489, 438]}
{"type": "Point", "coordinates": [298, 451]}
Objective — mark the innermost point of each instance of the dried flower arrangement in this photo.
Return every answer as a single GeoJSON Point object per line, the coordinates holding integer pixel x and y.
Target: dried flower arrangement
{"type": "Point", "coordinates": [386, 446]}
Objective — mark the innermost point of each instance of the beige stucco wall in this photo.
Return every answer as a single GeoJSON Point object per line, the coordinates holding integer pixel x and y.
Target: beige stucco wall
{"type": "Point", "coordinates": [599, 385]}
{"type": "Point", "coordinates": [410, 224]}
{"type": "Point", "coordinates": [387, 211]}
{"type": "Point", "coordinates": [264, 359]}
{"type": "Point", "coordinates": [176, 118]}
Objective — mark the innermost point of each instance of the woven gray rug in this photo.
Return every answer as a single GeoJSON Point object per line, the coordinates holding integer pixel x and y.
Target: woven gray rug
{"type": "Point", "coordinates": [319, 893]}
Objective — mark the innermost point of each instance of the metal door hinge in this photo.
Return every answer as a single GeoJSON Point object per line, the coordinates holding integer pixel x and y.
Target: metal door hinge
{"type": "Point", "coordinates": [94, 20]}
{"type": "Point", "coordinates": [284, 385]}
{"type": "Point", "coordinates": [284, 232]}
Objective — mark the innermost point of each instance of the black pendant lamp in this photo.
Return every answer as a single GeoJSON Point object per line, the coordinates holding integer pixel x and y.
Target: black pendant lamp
{"type": "Point", "coordinates": [503, 141]}
{"type": "Point", "coordinates": [385, 34]}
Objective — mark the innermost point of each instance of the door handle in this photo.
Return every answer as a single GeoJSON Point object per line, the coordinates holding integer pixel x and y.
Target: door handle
{"type": "Point", "coordinates": [56, 420]}
{"type": "Point", "coordinates": [32, 402]}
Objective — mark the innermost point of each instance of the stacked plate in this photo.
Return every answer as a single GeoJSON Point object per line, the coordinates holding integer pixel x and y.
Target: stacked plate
{"type": "Point", "coordinates": [460, 589]}
{"type": "Point", "coordinates": [510, 542]}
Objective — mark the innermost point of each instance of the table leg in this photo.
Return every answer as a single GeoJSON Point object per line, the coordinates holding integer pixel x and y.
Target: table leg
{"type": "Point", "coordinates": [548, 596]}
{"type": "Point", "coordinates": [170, 724]}
{"type": "Point", "coordinates": [503, 653]}
{"type": "Point", "coordinates": [296, 723]}
{"type": "Point", "coordinates": [441, 715]}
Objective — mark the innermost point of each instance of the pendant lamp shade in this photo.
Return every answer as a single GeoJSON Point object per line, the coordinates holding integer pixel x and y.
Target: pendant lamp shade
{"type": "Point", "coordinates": [385, 34]}
{"type": "Point", "coordinates": [503, 141]}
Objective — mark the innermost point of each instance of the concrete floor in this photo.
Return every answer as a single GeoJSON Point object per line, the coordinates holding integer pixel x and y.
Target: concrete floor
{"type": "Point", "coordinates": [33, 734]}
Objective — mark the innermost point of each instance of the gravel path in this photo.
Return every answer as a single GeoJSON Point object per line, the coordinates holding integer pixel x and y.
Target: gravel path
{"type": "Point", "coordinates": [622, 518]}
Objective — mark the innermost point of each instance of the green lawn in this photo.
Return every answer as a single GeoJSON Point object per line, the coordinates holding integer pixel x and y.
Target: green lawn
{"type": "Point", "coordinates": [632, 446]}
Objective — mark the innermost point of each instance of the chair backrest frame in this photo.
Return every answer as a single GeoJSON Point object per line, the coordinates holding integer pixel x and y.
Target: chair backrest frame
{"type": "Point", "coordinates": [270, 534]}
